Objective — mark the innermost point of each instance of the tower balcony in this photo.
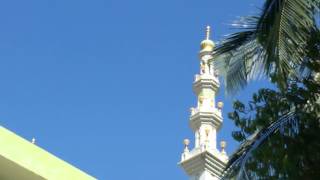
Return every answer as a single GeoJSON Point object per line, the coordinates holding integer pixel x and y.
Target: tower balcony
{"type": "Point", "coordinates": [196, 151]}
{"type": "Point", "coordinates": [202, 81]}
{"type": "Point", "coordinates": [194, 111]}
{"type": "Point", "coordinates": [198, 77]}
{"type": "Point", "coordinates": [199, 160]}
{"type": "Point", "coordinates": [200, 116]}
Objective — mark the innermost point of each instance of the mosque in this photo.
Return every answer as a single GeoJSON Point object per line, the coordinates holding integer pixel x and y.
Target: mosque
{"type": "Point", "coordinates": [204, 161]}
{"type": "Point", "coordinates": [24, 160]}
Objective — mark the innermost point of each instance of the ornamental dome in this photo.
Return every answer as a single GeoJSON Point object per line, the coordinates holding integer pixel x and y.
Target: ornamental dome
{"type": "Point", "coordinates": [207, 44]}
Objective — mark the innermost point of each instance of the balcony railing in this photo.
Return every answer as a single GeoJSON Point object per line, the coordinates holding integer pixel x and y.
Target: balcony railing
{"type": "Point", "coordinates": [194, 111]}
{"type": "Point", "coordinates": [198, 77]}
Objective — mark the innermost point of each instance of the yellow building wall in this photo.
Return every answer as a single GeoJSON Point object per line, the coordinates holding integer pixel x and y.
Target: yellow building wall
{"type": "Point", "coordinates": [19, 155]}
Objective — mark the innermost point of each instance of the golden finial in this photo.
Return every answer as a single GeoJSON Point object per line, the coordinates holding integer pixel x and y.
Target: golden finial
{"type": "Point", "coordinates": [186, 142]}
{"type": "Point", "coordinates": [208, 33]}
{"type": "Point", "coordinates": [220, 105]}
{"type": "Point", "coordinates": [223, 145]}
{"type": "Point", "coordinates": [201, 98]}
{"type": "Point", "coordinates": [207, 131]}
{"type": "Point", "coordinates": [207, 45]}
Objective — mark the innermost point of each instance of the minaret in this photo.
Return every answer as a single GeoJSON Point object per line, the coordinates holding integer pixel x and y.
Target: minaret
{"type": "Point", "coordinates": [204, 161]}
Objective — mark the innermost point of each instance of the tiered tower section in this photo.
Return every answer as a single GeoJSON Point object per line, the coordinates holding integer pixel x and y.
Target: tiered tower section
{"type": "Point", "coordinates": [205, 161]}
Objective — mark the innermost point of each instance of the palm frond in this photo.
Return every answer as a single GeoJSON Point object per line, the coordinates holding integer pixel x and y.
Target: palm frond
{"type": "Point", "coordinates": [278, 39]}
{"type": "Point", "coordinates": [236, 166]}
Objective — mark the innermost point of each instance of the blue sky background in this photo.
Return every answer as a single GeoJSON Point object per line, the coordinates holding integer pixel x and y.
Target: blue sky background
{"type": "Point", "coordinates": [107, 85]}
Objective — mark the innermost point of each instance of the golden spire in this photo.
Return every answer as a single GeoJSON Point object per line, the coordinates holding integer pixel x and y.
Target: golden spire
{"type": "Point", "coordinates": [207, 44]}
{"type": "Point", "coordinates": [208, 33]}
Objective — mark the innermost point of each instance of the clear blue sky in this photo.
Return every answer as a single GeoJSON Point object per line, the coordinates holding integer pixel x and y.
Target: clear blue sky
{"type": "Point", "coordinates": [106, 85]}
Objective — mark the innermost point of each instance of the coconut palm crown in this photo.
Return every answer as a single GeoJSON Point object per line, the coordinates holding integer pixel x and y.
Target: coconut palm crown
{"type": "Point", "coordinates": [272, 43]}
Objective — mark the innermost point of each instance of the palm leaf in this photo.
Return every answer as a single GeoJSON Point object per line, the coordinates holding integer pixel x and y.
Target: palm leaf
{"type": "Point", "coordinates": [275, 42]}
{"type": "Point", "coordinates": [236, 165]}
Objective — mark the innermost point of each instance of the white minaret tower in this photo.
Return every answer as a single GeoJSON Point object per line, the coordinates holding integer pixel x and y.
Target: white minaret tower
{"type": "Point", "coordinates": [205, 161]}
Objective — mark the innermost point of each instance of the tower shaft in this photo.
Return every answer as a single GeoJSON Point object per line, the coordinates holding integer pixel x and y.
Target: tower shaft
{"type": "Point", "coordinates": [205, 161]}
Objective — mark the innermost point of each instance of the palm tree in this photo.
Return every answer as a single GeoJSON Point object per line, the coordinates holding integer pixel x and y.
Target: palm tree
{"type": "Point", "coordinates": [275, 44]}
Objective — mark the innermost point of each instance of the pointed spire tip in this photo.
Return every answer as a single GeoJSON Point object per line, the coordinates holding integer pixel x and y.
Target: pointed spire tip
{"type": "Point", "coordinates": [208, 32]}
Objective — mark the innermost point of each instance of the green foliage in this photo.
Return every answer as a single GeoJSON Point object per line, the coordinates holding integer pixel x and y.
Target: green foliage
{"type": "Point", "coordinates": [273, 145]}
{"type": "Point", "coordinates": [273, 43]}
{"type": "Point", "coordinates": [292, 150]}
{"type": "Point", "coordinates": [279, 130]}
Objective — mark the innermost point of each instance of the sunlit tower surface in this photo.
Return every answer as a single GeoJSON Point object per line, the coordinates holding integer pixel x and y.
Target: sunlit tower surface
{"type": "Point", "coordinates": [204, 161]}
